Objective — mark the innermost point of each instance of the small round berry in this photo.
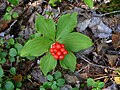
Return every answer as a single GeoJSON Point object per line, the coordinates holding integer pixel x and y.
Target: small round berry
{"type": "Point", "coordinates": [62, 49]}
{"type": "Point", "coordinates": [58, 46]}
{"type": "Point", "coordinates": [51, 50]}
{"type": "Point", "coordinates": [61, 57]}
{"type": "Point", "coordinates": [65, 52]}
{"type": "Point", "coordinates": [59, 53]}
{"type": "Point", "coordinates": [53, 46]}
{"type": "Point", "coordinates": [55, 50]}
{"type": "Point", "coordinates": [57, 43]}
{"type": "Point", "coordinates": [56, 56]}
{"type": "Point", "coordinates": [53, 53]}
{"type": "Point", "coordinates": [62, 45]}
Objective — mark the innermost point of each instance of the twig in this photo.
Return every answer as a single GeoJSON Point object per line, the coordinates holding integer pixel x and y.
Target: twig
{"type": "Point", "coordinates": [88, 61]}
{"type": "Point", "coordinates": [101, 77]}
{"type": "Point", "coordinates": [7, 31]}
{"type": "Point", "coordinates": [101, 15]}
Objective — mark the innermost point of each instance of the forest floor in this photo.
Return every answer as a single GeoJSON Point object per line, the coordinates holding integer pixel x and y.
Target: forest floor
{"type": "Point", "coordinates": [100, 62]}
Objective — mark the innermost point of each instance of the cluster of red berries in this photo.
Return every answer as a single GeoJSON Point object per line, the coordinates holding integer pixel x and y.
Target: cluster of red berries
{"type": "Point", "coordinates": [58, 51]}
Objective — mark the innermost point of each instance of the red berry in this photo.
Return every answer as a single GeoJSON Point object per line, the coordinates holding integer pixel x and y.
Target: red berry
{"type": "Point", "coordinates": [51, 50]}
{"type": "Point", "coordinates": [53, 53]}
{"type": "Point", "coordinates": [55, 50]}
{"type": "Point", "coordinates": [57, 43]}
{"type": "Point", "coordinates": [62, 45]}
{"type": "Point", "coordinates": [62, 49]}
{"type": "Point", "coordinates": [65, 52]}
{"type": "Point", "coordinates": [58, 46]}
{"type": "Point", "coordinates": [59, 53]}
{"type": "Point", "coordinates": [53, 46]}
{"type": "Point", "coordinates": [56, 57]}
{"type": "Point", "coordinates": [61, 57]}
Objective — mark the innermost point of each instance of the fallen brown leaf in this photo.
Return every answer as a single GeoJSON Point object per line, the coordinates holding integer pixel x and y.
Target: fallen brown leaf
{"type": "Point", "coordinates": [116, 40]}
{"type": "Point", "coordinates": [112, 59]}
{"type": "Point", "coordinates": [18, 78]}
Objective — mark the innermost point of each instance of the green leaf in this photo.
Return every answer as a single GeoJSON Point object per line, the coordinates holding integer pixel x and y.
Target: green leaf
{"type": "Point", "coordinates": [18, 89]}
{"type": "Point", "coordinates": [50, 77]}
{"type": "Point", "coordinates": [15, 15]}
{"type": "Point", "coordinates": [3, 54]}
{"type": "Point", "coordinates": [47, 85]}
{"type": "Point", "coordinates": [60, 82]}
{"type": "Point", "coordinates": [7, 16]}
{"type": "Point", "coordinates": [42, 88]}
{"type": "Point", "coordinates": [36, 47]}
{"type": "Point", "coordinates": [75, 88]}
{"type": "Point", "coordinates": [69, 61]}
{"type": "Point", "coordinates": [76, 41]}
{"type": "Point", "coordinates": [12, 52]}
{"type": "Point", "coordinates": [57, 75]}
{"type": "Point", "coordinates": [89, 3]}
{"type": "Point", "coordinates": [1, 72]}
{"type": "Point", "coordinates": [9, 9]}
{"type": "Point", "coordinates": [18, 84]}
{"type": "Point", "coordinates": [9, 85]}
{"type": "Point", "coordinates": [11, 41]}
{"type": "Point", "coordinates": [101, 84]}
{"type": "Point", "coordinates": [14, 2]}
{"type": "Point", "coordinates": [13, 70]}
{"type": "Point", "coordinates": [47, 63]}
{"type": "Point", "coordinates": [18, 47]}
{"type": "Point", "coordinates": [95, 84]}
{"type": "Point", "coordinates": [3, 60]}
{"type": "Point", "coordinates": [12, 59]}
{"type": "Point", "coordinates": [90, 82]}
{"type": "Point", "coordinates": [30, 57]}
{"type": "Point", "coordinates": [52, 2]}
{"type": "Point", "coordinates": [45, 27]}
{"type": "Point", "coordinates": [66, 24]}
{"type": "Point", "coordinates": [54, 86]}
{"type": "Point", "coordinates": [58, 88]}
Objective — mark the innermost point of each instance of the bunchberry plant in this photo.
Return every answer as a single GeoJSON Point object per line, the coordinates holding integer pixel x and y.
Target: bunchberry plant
{"type": "Point", "coordinates": [58, 41]}
{"type": "Point", "coordinates": [95, 85]}
{"type": "Point", "coordinates": [10, 14]}
{"type": "Point", "coordinates": [55, 81]}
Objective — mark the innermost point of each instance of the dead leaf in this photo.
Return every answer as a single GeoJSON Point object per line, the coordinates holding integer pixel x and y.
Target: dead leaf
{"type": "Point", "coordinates": [4, 24]}
{"type": "Point", "coordinates": [112, 59]}
{"type": "Point", "coordinates": [116, 40]}
{"type": "Point", "coordinates": [18, 78]}
{"type": "Point", "coordinates": [117, 80]}
{"type": "Point", "coordinates": [83, 25]}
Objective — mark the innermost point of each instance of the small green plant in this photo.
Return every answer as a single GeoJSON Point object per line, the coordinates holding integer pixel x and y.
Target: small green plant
{"type": "Point", "coordinates": [10, 14]}
{"type": "Point", "coordinates": [6, 83]}
{"type": "Point", "coordinates": [52, 33]}
{"type": "Point", "coordinates": [52, 2]}
{"type": "Point", "coordinates": [14, 2]}
{"type": "Point", "coordinates": [95, 85]}
{"type": "Point", "coordinates": [54, 82]}
{"type": "Point", "coordinates": [89, 3]}
{"type": "Point", "coordinates": [8, 54]}
{"type": "Point", "coordinates": [10, 51]}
